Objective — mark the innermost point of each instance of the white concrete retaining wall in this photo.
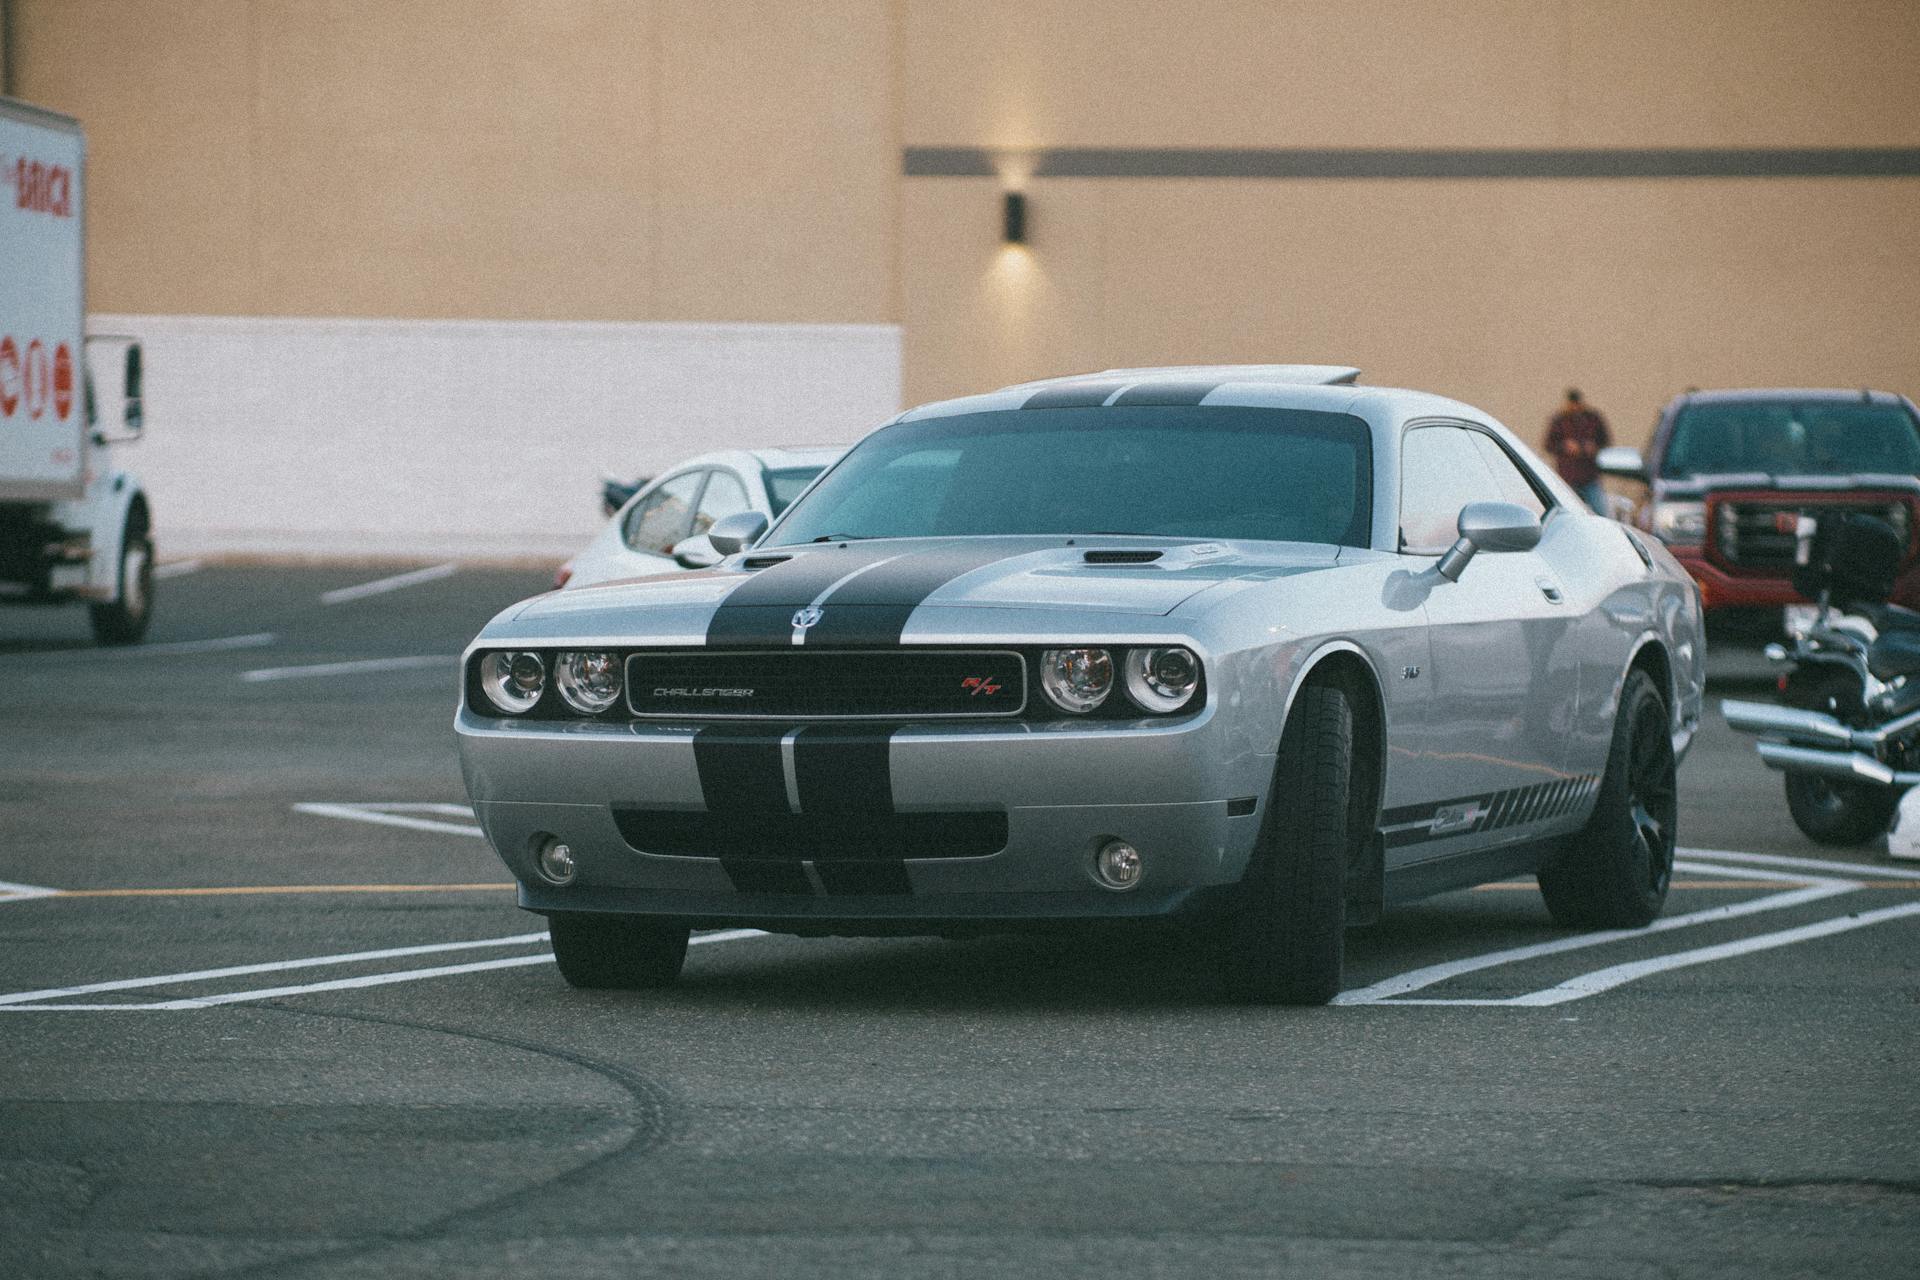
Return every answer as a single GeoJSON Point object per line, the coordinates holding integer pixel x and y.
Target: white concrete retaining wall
{"type": "Point", "coordinates": [461, 438]}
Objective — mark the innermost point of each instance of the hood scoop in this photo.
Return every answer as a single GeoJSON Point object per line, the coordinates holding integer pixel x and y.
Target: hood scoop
{"type": "Point", "coordinates": [1121, 557]}
{"type": "Point", "coordinates": [763, 562]}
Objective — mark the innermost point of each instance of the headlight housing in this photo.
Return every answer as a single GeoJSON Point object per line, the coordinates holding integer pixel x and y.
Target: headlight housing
{"type": "Point", "coordinates": [1682, 524]}
{"type": "Point", "coordinates": [589, 681]}
{"type": "Point", "coordinates": [1162, 680]}
{"type": "Point", "coordinates": [1076, 680]}
{"type": "Point", "coordinates": [513, 681]}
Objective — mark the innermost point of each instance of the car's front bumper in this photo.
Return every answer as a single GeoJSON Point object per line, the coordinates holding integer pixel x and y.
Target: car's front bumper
{"type": "Point", "coordinates": [1187, 793]}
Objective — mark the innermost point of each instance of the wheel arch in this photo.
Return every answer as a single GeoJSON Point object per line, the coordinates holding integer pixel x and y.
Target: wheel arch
{"type": "Point", "coordinates": [1346, 664]}
{"type": "Point", "coordinates": [1650, 655]}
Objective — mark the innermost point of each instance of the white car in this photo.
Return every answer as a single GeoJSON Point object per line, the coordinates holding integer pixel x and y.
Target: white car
{"type": "Point", "coordinates": [664, 526]}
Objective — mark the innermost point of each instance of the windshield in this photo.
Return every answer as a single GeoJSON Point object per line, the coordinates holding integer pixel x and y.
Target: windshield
{"type": "Point", "coordinates": [784, 486]}
{"type": "Point", "coordinates": [1171, 471]}
{"type": "Point", "coordinates": [1788, 437]}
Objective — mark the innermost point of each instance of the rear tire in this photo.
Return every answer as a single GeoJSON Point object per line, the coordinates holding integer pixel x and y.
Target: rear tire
{"type": "Point", "coordinates": [1287, 945]}
{"type": "Point", "coordinates": [124, 619]}
{"type": "Point", "coordinates": [1839, 813]}
{"type": "Point", "coordinates": [1615, 871]}
{"type": "Point", "coordinates": [620, 953]}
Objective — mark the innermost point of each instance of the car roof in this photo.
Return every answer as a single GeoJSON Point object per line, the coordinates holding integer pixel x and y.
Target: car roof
{"type": "Point", "coordinates": [1326, 388]}
{"type": "Point", "coordinates": [759, 459]}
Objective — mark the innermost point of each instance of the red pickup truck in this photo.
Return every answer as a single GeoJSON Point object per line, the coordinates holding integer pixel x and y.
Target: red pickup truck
{"type": "Point", "coordinates": [1730, 473]}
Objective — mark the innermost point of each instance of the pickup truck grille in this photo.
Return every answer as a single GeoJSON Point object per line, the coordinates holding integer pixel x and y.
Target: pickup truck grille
{"type": "Point", "coordinates": [1760, 534]}
{"type": "Point", "coordinates": [802, 684]}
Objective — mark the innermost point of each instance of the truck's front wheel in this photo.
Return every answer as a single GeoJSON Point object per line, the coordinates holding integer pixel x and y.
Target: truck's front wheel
{"type": "Point", "coordinates": [124, 619]}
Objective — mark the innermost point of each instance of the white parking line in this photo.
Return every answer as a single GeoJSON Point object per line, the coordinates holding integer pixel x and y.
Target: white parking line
{"type": "Point", "coordinates": [275, 966]}
{"type": "Point", "coordinates": [1599, 980]}
{"type": "Point", "coordinates": [10, 892]}
{"type": "Point", "coordinates": [1799, 864]}
{"type": "Point", "coordinates": [415, 663]}
{"type": "Point", "coordinates": [177, 568]}
{"type": "Point", "coordinates": [1387, 990]}
{"type": "Point", "coordinates": [396, 815]}
{"type": "Point", "coordinates": [17, 1003]}
{"type": "Point", "coordinates": [380, 586]}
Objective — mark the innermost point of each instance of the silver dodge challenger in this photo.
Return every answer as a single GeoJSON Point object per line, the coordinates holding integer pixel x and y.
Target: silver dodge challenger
{"type": "Point", "coordinates": [1254, 650]}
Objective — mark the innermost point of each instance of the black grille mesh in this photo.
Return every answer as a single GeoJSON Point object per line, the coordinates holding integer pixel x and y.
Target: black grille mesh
{"type": "Point", "coordinates": [799, 683]}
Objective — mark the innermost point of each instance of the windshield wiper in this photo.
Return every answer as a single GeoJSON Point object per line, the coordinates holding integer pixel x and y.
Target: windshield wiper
{"type": "Point", "coordinates": [840, 537]}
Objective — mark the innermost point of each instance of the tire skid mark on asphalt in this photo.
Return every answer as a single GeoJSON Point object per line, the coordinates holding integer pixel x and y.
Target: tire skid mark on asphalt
{"type": "Point", "coordinates": [33, 1001]}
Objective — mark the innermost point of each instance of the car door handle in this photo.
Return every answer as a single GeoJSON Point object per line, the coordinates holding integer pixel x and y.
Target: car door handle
{"type": "Point", "coordinates": [1549, 590]}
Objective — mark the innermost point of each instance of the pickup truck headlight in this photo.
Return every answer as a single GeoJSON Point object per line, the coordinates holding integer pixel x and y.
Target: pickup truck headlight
{"type": "Point", "coordinates": [1681, 524]}
{"type": "Point", "coordinates": [589, 682]}
{"type": "Point", "coordinates": [1162, 680]}
{"type": "Point", "coordinates": [513, 682]}
{"type": "Point", "coordinates": [1076, 680]}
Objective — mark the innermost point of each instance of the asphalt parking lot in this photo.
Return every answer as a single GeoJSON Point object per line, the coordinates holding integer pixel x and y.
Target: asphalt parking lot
{"type": "Point", "coordinates": [280, 1016]}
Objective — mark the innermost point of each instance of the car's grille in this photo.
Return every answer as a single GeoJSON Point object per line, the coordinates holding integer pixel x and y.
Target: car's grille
{"type": "Point", "coordinates": [827, 684]}
{"type": "Point", "coordinates": [819, 837]}
{"type": "Point", "coordinates": [1760, 535]}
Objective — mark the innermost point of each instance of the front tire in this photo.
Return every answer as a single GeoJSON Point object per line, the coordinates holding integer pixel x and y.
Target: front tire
{"type": "Point", "coordinates": [1614, 872]}
{"type": "Point", "coordinates": [1839, 813]}
{"type": "Point", "coordinates": [1288, 943]}
{"type": "Point", "coordinates": [124, 619]}
{"type": "Point", "coordinates": [618, 953]}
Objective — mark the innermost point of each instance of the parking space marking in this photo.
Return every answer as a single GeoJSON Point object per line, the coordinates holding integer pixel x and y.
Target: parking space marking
{"type": "Point", "coordinates": [29, 1001]}
{"type": "Point", "coordinates": [364, 665]}
{"type": "Point", "coordinates": [380, 586]}
{"type": "Point", "coordinates": [10, 892]}
{"type": "Point", "coordinates": [1816, 865]}
{"type": "Point", "coordinates": [177, 568]}
{"type": "Point", "coordinates": [397, 815]}
{"type": "Point", "coordinates": [246, 890]}
{"type": "Point", "coordinates": [1599, 980]}
{"type": "Point", "coordinates": [273, 966]}
{"type": "Point", "coordinates": [1816, 888]}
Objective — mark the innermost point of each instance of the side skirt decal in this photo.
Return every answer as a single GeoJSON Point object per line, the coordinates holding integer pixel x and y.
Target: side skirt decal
{"type": "Point", "coordinates": [1494, 811]}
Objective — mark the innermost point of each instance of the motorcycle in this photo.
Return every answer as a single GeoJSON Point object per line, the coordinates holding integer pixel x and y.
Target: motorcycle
{"type": "Point", "coordinates": [1848, 735]}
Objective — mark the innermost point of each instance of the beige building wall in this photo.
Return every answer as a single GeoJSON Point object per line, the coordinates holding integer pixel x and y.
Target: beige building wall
{"type": "Point", "coordinates": [742, 160]}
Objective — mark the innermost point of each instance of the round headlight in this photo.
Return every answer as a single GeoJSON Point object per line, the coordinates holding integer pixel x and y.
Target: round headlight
{"type": "Point", "coordinates": [513, 682]}
{"type": "Point", "coordinates": [590, 681]}
{"type": "Point", "coordinates": [1162, 679]}
{"type": "Point", "coordinates": [1076, 680]}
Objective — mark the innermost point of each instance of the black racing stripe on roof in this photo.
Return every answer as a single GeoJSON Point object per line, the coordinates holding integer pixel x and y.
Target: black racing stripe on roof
{"type": "Point", "coordinates": [1079, 395]}
{"type": "Point", "coordinates": [1167, 393]}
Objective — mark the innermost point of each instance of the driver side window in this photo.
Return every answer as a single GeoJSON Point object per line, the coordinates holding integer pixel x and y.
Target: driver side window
{"type": "Point", "coordinates": [1441, 471]}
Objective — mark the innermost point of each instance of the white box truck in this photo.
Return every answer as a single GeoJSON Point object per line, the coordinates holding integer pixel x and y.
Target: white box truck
{"type": "Point", "coordinates": [73, 528]}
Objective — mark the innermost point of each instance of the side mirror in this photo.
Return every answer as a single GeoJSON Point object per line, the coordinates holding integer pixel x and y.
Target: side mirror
{"type": "Point", "coordinates": [136, 416]}
{"type": "Point", "coordinates": [1489, 526]}
{"type": "Point", "coordinates": [1623, 461]}
{"type": "Point", "coordinates": [696, 552]}
{"type": "Point", "coordinates": [732, 533]}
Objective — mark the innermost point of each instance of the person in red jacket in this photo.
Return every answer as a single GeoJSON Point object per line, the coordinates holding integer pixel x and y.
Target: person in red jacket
{"type": "Point", "coordinates": [1575, 436]}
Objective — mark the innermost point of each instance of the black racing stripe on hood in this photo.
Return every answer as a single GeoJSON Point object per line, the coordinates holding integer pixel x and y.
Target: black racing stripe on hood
{"type": "Point", "coordinates": [872, 610]}
{"type": "Point", "coordinates": [1081, 395]}
{"type": "Point", "coordinates": [1167, 393]}
{"type": "Point", "coordinates": [760, 610]}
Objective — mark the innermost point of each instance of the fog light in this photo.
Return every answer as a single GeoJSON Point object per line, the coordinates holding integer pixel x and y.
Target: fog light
{"type": "Point", "coordinates": [555, 861]}
{"type": "Point", "coordinates": [1117, 865]}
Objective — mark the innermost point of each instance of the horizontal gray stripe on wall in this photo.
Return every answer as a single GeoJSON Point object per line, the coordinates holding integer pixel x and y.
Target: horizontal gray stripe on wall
{"type": "Point", "coordinates": [1365, 162]}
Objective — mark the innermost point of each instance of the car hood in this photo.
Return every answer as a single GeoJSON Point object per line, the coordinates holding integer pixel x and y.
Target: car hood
{"type": "Point", "coordinates": [865, 589]}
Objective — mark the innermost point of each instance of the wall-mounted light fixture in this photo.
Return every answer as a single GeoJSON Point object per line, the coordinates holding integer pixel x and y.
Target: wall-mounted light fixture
{"type": "Point", "coordinates": [1013, 218]}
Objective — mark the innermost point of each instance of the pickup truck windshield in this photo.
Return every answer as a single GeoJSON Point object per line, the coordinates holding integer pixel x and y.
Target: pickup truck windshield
{"type": "Point", "coordinates": [1788, 437]}
{"type": "Point", "coordinates": [1164, 471]}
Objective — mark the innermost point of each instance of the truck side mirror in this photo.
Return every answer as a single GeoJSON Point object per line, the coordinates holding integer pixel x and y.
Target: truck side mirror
{"type": "Point", "coordinates": [136, 416]}
{"type": "Point", "coordinates": [730, 533]}
{"type": "Point", "coordinates": [1489, 526]}
{"type": "Point", "coordinates": [1623, 461]}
